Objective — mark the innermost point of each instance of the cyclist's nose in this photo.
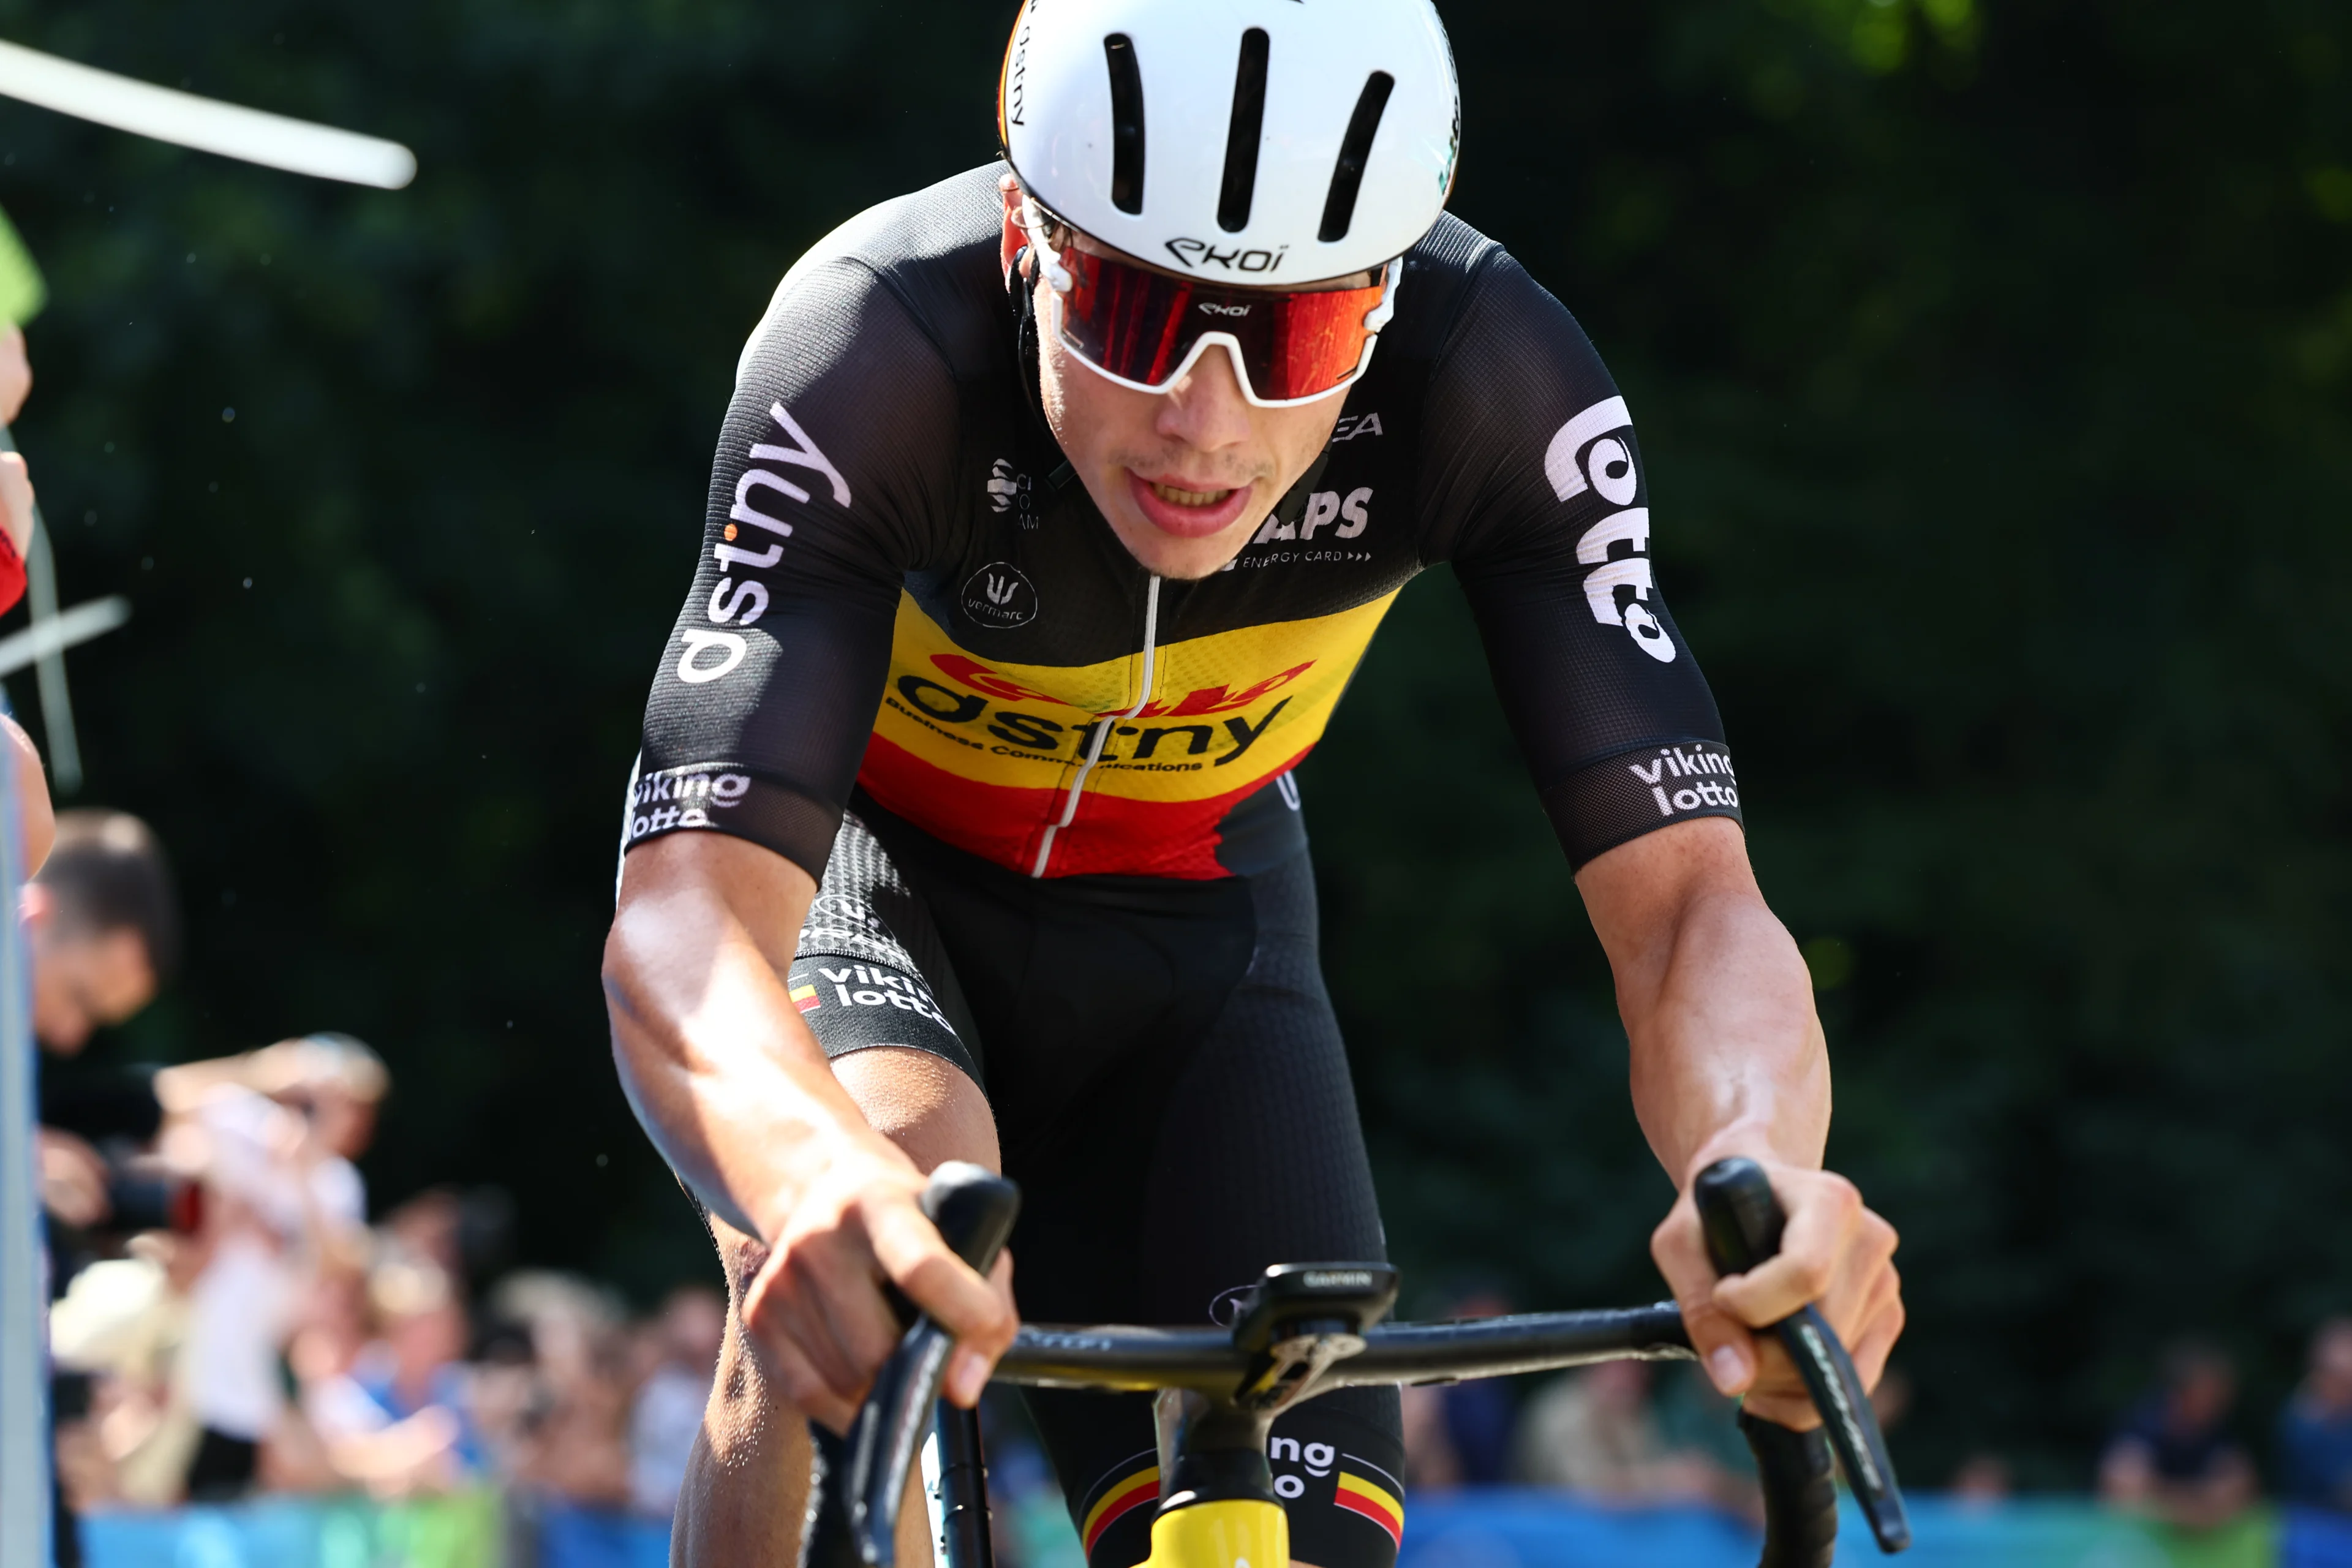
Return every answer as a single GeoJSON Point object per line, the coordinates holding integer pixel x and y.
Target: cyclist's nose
{"type": "Point", "coordinates": [1205, 408]}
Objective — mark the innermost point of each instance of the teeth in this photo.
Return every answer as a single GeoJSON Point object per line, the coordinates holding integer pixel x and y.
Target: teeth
{"type": "Point", "coordinates": [1175, 497]}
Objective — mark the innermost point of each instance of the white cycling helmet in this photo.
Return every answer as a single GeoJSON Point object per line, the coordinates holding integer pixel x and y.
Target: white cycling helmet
{"type": "Point", "coordinates": [1248, 140]}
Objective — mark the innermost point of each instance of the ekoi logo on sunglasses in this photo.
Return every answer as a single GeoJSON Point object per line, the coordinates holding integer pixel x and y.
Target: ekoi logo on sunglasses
{"type": "Point", "coordinates": [1210, 307]}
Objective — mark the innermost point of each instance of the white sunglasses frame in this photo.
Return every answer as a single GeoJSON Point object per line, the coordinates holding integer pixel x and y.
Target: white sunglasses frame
{"type": "Point", "coordinates": [1058, 277]}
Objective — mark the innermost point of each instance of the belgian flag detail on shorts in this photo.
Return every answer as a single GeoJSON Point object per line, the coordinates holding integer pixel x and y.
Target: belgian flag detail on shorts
{"type": "Point", "coordinates": [805, 997]}
{"type": "Point", "coordinates": [1121, 1497]}
{"type": "Point", "coordinates": [1374, 1501]}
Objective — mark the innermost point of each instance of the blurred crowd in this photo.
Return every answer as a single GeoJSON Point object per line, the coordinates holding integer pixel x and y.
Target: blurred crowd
{"type": "Point", "coordinates": [226, 1320]}
{"type": "Point", "coordinates": [1638, 1433]}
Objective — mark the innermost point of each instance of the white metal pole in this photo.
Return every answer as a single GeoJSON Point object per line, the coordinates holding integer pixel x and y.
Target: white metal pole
{"type": "Point", "coordinates": [204, 123]}
{"type": "Point", "coordinates": [57, 702]}
{"type": "Point", "coordinates": [24, 1497]}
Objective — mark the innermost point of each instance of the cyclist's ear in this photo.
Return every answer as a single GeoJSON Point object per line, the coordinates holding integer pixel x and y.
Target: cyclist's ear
{"type": "Point", "coordinates": [1013, 240]}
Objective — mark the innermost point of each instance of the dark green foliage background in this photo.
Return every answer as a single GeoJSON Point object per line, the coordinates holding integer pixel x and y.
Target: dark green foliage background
{"type": "Point", "coordinates": [1990, 362]}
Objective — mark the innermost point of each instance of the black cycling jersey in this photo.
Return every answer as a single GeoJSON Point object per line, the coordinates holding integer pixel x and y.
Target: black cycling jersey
{"type": "Point", "coordinates": [904, 588]}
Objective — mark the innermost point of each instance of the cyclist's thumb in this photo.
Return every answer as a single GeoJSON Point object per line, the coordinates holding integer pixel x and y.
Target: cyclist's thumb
{"type": "Point", "coordinates": [1725, 1346]}
{"type": "Point", "coordinates": [935, 1280]}
{"type": "Point", "coordinates": [967, 1371]}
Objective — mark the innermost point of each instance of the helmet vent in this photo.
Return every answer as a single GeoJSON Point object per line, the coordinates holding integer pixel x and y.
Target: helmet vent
{"type": "Point", "coordinates": [1242, 136]}
{"type": "Point", "coordinates": [1355, 147]}
{"type": "Point", "coordinates": [1126, 123]}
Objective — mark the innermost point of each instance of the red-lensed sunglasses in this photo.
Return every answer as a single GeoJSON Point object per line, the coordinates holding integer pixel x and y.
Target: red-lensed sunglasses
{"type": "Point", "coordinates": [1144, 328]}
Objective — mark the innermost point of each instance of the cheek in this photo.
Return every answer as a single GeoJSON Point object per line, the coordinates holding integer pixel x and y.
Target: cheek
{"type": "Point", "coordinates": [1054, 370]}
{"type": "Point", "coordinates": [1095, 421]}
{"type": "Point", "coordinates": [1301, 434]}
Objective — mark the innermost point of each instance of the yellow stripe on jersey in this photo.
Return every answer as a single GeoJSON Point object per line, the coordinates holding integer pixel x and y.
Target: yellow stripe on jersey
{"type": "Point", "coordinates": [1130, 1491]}
{"type": "Point", "coordinates": [1372, 1500]}
{"type": "Point", "coordinates": [1226, 710]}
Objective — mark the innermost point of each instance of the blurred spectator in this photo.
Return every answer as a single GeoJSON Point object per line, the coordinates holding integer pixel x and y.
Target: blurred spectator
{"type": "Point", "coordinates": [1891, 1400]}
{"type": "Point", "coordinates": [571, 1438]}
{"type": "Point", "coordinates": [1029, 1518]}
{"type": "Point", "coordinates": [123, 1324]}
{"type": "Point", "coordinates": [274, 1131]}
{"type": "Point", "coordinates": [467, 1232]}
{"type": "Point", "coordinates": [103, 931]}
{"type": "Point", "coordinates": [103, 926]}
{"type": "Point", "coordinates": [2314, 1437]}
{"type": "Point", "coordinates": [1982, 1480]}
{"type": "Point", "coordinates": [1593, 1432]}
{"type": "Point", "coordinates": [415, 1430]}
{"type": "Point", "coordinates": [683, 1345]}
{"type": "Point", "coordinates": [1459, 1434]}
{"type": "Point", "coordinates": [2174, 1457]}
{"type": "Point", "coordinates": [1693, 1419]}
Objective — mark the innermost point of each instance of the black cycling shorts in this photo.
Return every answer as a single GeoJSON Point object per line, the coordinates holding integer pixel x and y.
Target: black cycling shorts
{"type": "Point", "coordinates": [1171, 1094]}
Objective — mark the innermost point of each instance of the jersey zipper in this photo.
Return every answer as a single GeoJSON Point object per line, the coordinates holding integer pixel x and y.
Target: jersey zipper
{"type": "Point", "coordinates": [1103, 728]}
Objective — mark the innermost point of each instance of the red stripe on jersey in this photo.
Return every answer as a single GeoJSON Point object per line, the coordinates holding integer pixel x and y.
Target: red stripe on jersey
{"type": "Point", "coordinates": [1356, 1501]}
{"type": "Point", "coordinates": [1137, 1491]}
{"type": "Point", "coordinates": [1003, 822]}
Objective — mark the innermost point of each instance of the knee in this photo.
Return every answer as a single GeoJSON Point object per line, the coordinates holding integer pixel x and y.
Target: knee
{"type": "Point", "coordinates": [748, 1415]}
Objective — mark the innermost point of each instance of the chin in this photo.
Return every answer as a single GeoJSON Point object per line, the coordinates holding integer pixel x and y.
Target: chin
{"type": "Point", "coordinates": [1182, 560]}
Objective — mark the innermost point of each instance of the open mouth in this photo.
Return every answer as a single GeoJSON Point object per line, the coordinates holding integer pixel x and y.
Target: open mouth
{"type": "Point", "coordinates": [1177, 508]}
{"type": "Point", "coordinates": [1175, 497]}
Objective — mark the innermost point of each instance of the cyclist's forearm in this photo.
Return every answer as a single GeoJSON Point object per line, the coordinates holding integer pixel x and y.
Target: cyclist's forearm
{"type": "Point", "coordinates": [1729, 1058]}
{"type": "Point", "coordinates": [1728, 1055]}
{"type": "Point", "coordinates": [725, 1077]}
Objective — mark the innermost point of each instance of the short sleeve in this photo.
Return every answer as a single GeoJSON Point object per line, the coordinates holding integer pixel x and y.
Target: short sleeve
{"type": "Point", "coordinates": [1538, 496]}
{"type": "Point", "coordinates": [825, 493]}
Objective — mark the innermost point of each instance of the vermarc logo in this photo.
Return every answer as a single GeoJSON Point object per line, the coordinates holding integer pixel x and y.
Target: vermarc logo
{"type": "Point", "coordinates": [999, 597]}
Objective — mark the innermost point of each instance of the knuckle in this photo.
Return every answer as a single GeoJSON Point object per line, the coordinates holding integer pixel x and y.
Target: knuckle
{"type": "Point", "coordinates": [997, 1333]}
{"type": "Point", "coordinates": [802, 1386]}
{"type": "Point", "coordinates": [1841, 1195]}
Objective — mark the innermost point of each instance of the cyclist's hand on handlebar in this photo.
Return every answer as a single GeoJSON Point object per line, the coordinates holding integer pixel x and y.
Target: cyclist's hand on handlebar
{"type": "Point", "coordinates": [1835, 1254]}
{"type": "Point", "coordinates": [817, 1308]}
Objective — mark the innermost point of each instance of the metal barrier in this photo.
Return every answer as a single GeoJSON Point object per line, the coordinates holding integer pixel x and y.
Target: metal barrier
{"type": "Point", "coordinates": [1489, 1529]}
{"type": "Point", "coordinates": [1509, 1528]}
{"type": "Point", "coordinates": [25, 1513]}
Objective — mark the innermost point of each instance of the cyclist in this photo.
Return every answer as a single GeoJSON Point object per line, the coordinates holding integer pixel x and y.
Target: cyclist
{"type": "Point", "coordinates": [1052, 511]}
